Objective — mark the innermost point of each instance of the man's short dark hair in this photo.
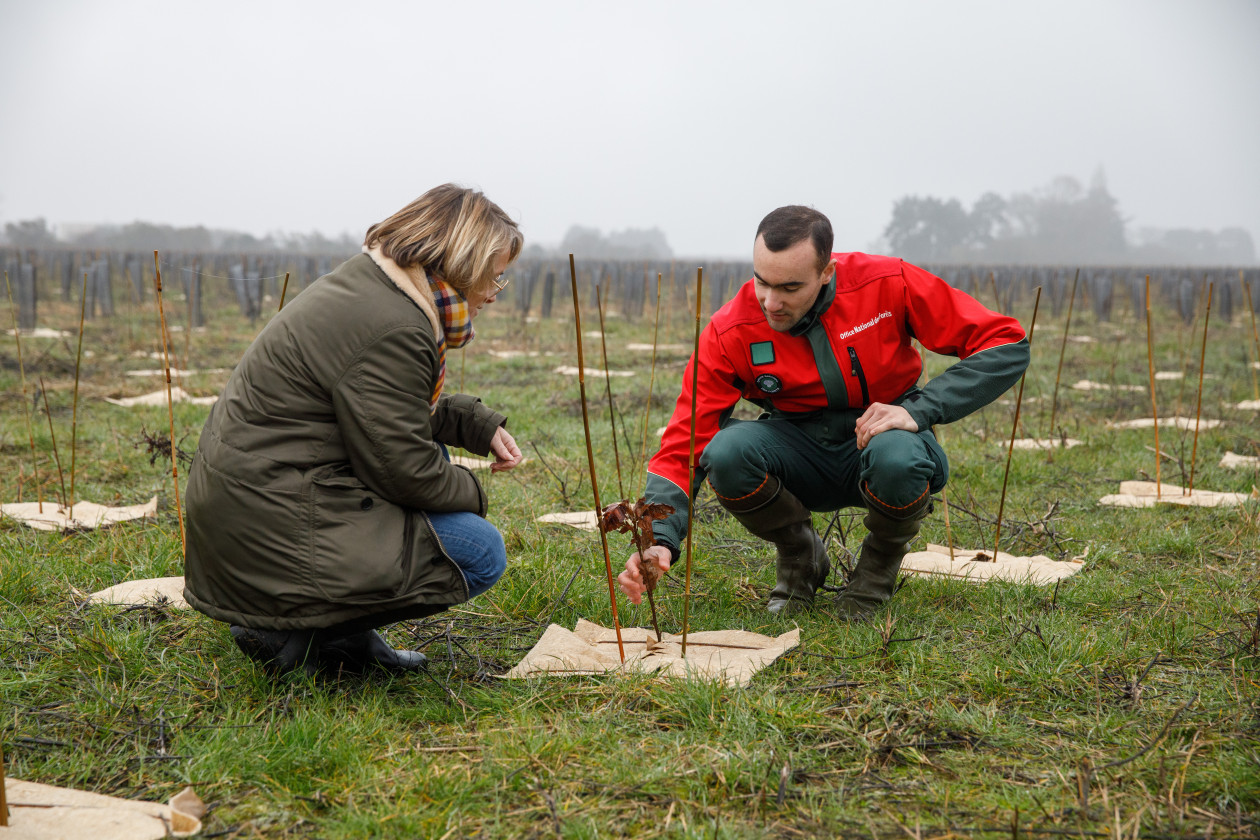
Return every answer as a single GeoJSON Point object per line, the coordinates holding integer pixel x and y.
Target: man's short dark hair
{"type": "Point", "coordinates": [784, 227]}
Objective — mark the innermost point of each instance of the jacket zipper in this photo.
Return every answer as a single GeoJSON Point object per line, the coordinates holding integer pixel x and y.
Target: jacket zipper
{"type": "Point", "coordinates": [855, 368]}
{"type": "Point", "coordinates": [446, 554]}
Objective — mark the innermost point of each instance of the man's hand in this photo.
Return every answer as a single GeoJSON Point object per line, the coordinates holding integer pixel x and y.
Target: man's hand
{"type": "Point", "coordinates": [506, 453]}
{"type": "Point", "coordinates": [631, 581]}
{"type": "Point", "coordinates": [880, 418]}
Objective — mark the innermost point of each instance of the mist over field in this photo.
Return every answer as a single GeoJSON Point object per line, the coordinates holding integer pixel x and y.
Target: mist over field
{"type": "Point", "coordinates": [969, 132]}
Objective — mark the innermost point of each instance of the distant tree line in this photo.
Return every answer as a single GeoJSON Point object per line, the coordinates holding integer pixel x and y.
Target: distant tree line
{"type": "Point", "coordinates": [147, 236]}
{"type": "Point", "coordinates": [1064, 222]}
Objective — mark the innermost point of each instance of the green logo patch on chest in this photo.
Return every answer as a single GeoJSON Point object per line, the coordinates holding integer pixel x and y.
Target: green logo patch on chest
{"type": "Point", "coordinates": [762, 352]}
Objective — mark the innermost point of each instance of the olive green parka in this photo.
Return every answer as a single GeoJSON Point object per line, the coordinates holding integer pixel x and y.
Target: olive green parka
{"type": "Point", "coordinates": [307, 498]}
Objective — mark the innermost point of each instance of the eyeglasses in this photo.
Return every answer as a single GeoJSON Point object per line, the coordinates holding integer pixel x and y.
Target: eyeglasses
{"type": "Point", "coordinates": [500, 283]}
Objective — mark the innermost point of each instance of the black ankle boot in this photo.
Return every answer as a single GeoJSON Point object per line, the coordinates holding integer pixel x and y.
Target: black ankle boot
{"type": "Point", "coordinates": [365, 651]}
{"type": "Point", "coordinates": [279, 651]}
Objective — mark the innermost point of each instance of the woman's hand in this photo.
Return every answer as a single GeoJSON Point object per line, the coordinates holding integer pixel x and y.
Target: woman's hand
{"type": "Point", "coordinates": [506, 454]}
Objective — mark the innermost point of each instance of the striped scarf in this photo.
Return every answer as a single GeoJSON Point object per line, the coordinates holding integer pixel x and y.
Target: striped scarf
{"type": "Point", "coordinates": [457, 327]}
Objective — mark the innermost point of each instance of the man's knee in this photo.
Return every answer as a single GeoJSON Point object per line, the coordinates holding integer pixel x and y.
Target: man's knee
{"type": "Point", "coordinates": [733, 462]}
{"type": "Point", "coordinates": [898, 467]}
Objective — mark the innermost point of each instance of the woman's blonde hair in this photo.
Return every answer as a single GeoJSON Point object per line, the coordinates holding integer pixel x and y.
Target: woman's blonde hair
{"type": "Point", "coordinates": [450, 231]}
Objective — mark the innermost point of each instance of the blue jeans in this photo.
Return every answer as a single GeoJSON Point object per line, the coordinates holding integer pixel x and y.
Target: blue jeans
{"type": "Point", "coordinates": [475, 545]}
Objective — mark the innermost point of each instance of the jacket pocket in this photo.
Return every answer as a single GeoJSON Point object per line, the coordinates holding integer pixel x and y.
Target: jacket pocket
{"type": "Point", "coordinates": [360, 544]}
{"type": "Point", "coordinates": [855, 369]}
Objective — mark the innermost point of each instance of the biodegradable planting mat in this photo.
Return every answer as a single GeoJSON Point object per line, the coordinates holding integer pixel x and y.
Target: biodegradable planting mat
{"type": "Point", "coordinates": [178, 395]}
{"type": "Point", "coordinates": [732, 656]}
{"type": "Point", "coordinates": [87, 515]}
{"type": "Point", "coordinates": [1043, 443]}
{"type": "Point", "coordinates": [1234, 461]}
{"type": "Point", "coordinates": [980, 567]}
{"type": "Point", "coordinates": [167, 590]}
{"type": "Point", "coordinates": [46, 812]}
{"type": "Point", "coordinates": [566, 370]}
{"type": "Point", "coordinates": [639, 347]}
{"type": "Point", "coordinates": [1248, 405]}
{"type": "Point", "coordinates": [1142, 494]}
{"type": "Point", "coordinates": [477, 463]}
{"type": "Point", "coordinates": [41, 332]}
{"type": "Point", "coordinates": [1183, 423]}
{"type": "Point", "coordinates": [583, 520]}
{"type": "Point", "coordinates": [1087, 385]}
{"type": "Point", "coordinates": [175, 372]}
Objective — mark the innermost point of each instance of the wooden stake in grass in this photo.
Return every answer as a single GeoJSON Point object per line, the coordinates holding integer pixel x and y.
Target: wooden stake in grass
{"type": "Point", "coordinates": [4, 800]}
{"type": "Point", "coordinates": [1150, 367]}
{"type": "Point", "coordinates": [283, 290]}
{"type": "Point", "coordinates": [612, 414]}
{"type": "Point", "coordinates": [53, 434]}
{"type": "Point", "coordinates": [170, 408]}
{"type": "Point", "coordinates": [1019, 398]}
{"type": "Point", "coordinates": [26, 406]}
{"type": "Point", "coordinates": [1255, 337]}
{"type": "Point", "coordinates": [647, 412]}
{"type": "Point", "coordinates": [74, 411]}
{"type": "Point", "coordinates": [590, 458]}
{"type": "Point", "coordinates": [1198, 408]}
{"type": "Point", "coordinates": [691, 460]}
{"type": "Point", "coordinates": [1054, 401]}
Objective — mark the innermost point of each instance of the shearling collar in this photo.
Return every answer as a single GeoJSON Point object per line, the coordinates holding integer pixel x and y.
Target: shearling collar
{"type": "Point", "coordinates": [412, 282]}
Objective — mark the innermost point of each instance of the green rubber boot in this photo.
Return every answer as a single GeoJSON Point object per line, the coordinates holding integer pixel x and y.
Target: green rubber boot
{"type": "Point", "coordinates": [875, 576]}
{"type": "Point", "coordinates": [802, 565]}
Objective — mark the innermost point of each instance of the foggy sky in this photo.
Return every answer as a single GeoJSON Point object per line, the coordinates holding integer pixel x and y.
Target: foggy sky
{"type": "Point", "coordinates": [697, 117]}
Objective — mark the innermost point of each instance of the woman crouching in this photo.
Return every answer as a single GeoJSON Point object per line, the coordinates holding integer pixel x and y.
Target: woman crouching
{"type": "Point", "coordinates": [322, 502]}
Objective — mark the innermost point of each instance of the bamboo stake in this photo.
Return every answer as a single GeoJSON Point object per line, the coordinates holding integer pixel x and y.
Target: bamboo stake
{"type": "Point", "coordinates": [1019, 398]}
{"type": "Point", "coordinates": [74, 411]}
{"type": "Point", "coordinates": [949, 533]}
{"type": "Point", "coordinates": [1150, 367]}
{"type": "Point", "coordinates": [4, 800]}
{"type": "Point", "coordinates": [590, 458]}
{"type": "Point", "coordinates": [53, 434]}
{"type": "Point", "coordinates": [612, 414]}
{"type": "Point", "coordinates": [1198, 408]}
{"type": "Point", "coordinates": [283, 290]}
{"type": "Point", "coordinates": [1255, 336]}
{"type": "Point", "coordinates": [170, 408]}
{"type": "Point", "coordinates": [26, 406]}
{"type": "Point", "coordinates": [647, 412]}
{"type": "Point", "coordinates": [691, 460]}
{"type": "Point", "coordinates": [1054, 402]}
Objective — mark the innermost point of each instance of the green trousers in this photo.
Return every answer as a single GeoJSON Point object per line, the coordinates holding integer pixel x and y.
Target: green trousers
{"type": "Point", "coordinates": [818, 462]}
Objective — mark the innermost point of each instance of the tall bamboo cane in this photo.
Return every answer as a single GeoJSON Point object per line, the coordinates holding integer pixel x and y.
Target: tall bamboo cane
{"type": "Point", "coordinates": [74, 411]}
{"type": "Point", "coordinates": [612, 413]}
{"type": "Point", "coordinates": [691, 459]}
{"type": "Point", "coordinates": [647, 412]}
{"type": "Point", "coordinates": [1255, 336]}
{"type": "Point", "coordinates": [1150, 367]}
{"type": "Point", "coordinates": [26, 406]}
{"type": "Point", "coordinates": [283, 290]}
{"type": "Point", "coordinates": [590, 458]}
{"type": "Point", "coordinates": [4, 800]}
{"type": "Point", "coordinates": [1019, 398]}
{"type": "Point", "coordinates": [1198, 408]}
{"type": "Point", "coordinates": [170, 408]}
{"type": "Point", "coordinates": [61, 476]}
{"type": "Point", "coordinates": [1054, 402]}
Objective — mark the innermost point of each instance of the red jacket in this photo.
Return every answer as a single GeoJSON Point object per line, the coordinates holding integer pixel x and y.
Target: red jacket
{"type": "Point", "coordinates": [879, 304]}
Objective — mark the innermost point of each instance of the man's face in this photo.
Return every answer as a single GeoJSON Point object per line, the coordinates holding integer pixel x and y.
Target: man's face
{"type": "Point", "coordinates": [787, 282]}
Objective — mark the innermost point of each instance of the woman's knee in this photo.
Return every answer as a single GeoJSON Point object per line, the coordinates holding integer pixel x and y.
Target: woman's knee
{"type": "Point", "coordinates": [475, 545]}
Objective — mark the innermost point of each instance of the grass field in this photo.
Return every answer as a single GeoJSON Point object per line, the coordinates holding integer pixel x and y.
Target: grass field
{"type": "Point", "coordinates": [1124, 702]}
